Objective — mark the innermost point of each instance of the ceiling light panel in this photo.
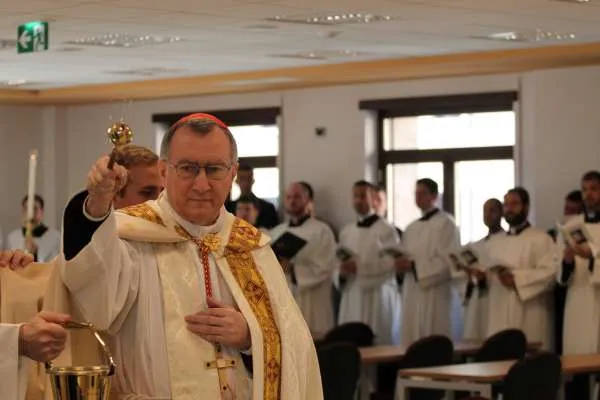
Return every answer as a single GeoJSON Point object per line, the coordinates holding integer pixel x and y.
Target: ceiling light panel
{"type": "Point", "coordinates": [123, 40]}
{"type": "Point", "coordinates": [539, 35]}
{"type": "Point", "coordinates": [332, 19]}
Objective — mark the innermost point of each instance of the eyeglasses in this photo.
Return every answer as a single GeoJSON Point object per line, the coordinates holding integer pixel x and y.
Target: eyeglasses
{"type": "Point", "coordinates": [190, 170]}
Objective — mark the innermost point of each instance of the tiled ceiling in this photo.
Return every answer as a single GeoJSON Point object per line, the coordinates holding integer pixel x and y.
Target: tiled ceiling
{"type": "Point", "coordinates": [220, 36]}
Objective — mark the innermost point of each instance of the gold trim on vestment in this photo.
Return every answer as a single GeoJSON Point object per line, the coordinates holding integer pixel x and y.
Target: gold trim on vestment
{"type": "Point", "coordinates": [143, 211]}
{"type": "Point", "coordinates": [243, 239]}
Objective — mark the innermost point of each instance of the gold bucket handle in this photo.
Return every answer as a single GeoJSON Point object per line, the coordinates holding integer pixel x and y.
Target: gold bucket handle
{"type": "Point", "coordinates": [105, 351]}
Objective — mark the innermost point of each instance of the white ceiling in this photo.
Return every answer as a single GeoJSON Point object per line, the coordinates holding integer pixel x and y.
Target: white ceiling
{"type": "Point", "coordinates": [218, 36]}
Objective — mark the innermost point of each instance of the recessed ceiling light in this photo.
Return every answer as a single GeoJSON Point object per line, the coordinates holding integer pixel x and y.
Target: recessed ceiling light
{"type": "Point", "coordinates": [333, 19]}
{"type": "Point", "coordinates": [321, 54]}
{"type": "Point", "coordinates": [120, 40]}
{"type": "Point", "coordinates": [539, 35]}
{"type": "Point", "coordinates": [150, 71]}
{"type": "Point", "coordinates": [16, 82]}
{"type": "Point", "coordinates": [575, 1]}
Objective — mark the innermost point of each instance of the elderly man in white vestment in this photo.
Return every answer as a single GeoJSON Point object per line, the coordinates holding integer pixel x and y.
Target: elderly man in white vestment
{"type": "Point", "coordinates": [522, 275]}
{"type": "Point", "coordinates": [309, 271]}
{"type": "Point", "coordinates": [182, 287]}
{"type": "Point", "coordinates": [41, 338]}
{"type": "Point", "coordinates": [427, 296]}
{"type": "Point", "coordinates": [366, 278]}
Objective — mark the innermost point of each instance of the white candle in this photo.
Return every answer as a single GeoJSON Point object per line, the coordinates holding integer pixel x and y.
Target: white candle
{"type": "Point", "coordinates": [31, 184]}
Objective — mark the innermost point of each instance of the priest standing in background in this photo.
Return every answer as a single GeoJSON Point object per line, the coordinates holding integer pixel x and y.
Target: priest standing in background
{"type": "Point", "coordinates": [44, 243]}
{"type": "Point", "coordinates": [365, 275]}
{"type": "Point", "coordinates": [186, 282]}
{"type": "Point", "coordinates": [427, 296]}
{"type": "Point", "coordinates": [476, 296]}
{"type": "Point", "coordinates": [580, 273]}
{"type": "Point", "coordinates": [521, 279]}
{"type": "Point", "coordinates": [310, 270]}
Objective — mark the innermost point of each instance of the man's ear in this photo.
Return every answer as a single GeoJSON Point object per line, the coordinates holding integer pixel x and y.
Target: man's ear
{"type": "Point", "coordinates": [162, 171]}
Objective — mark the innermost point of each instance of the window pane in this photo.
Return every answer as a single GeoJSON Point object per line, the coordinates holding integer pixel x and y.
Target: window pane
{"type": "Point", "coordinates": [476, 182]}
{"type": "Point", "coordinates": [256, 140]}
{"type": "Point", "coordinates": [449, 131]}
{"type": "Point", "coordinates": [401, 179]}
{"type": "Point", "coordinates": [266, 185]}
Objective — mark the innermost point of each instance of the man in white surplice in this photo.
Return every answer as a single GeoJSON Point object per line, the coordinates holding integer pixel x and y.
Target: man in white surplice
{"type": "Point", "coordinates": [309, 271]}
{"type": "Point", "coordinates": [183, 288]}
{"type": "Point", "coordinates": [42, 338]}
{"type": "Point", "coordinates": [580, 271]}
{"type": "Point", "coordinates": [476, 296]}
{"type": "Point", "coordinates": [366, 278]}
{"type": "Point", "coordinates": [427, 296]}
{"type": "Point", "coordinates": [521, 277]}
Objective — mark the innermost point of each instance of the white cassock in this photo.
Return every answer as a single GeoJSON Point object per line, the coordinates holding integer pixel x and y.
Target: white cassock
{"type": "Point", "coordinates": [428, 298]}
{"type": "Point", "coordinates": [13, 368]}
{"type": "Point", "coordinates": [531, 256]}
{"type": "Point", "coordinates": [581, 332]}
{"type": "Point", "coordinates": [476, 298]}
{"type": "Point", "coordinates": [371, 296]}
{"type": "Point", "coordinates": [48, 243]}
{"type": "Point", "coordinates": [312, 266]}
{"type": "Point", "coordinates": [141, 273]}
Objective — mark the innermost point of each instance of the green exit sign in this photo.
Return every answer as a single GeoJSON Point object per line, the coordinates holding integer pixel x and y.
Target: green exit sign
{"type": "Point", "coordinates": [32, 37]}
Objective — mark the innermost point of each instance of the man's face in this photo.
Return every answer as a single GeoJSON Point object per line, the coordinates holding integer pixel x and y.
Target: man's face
{"type": "Point", "coordinates": [380, 202]}
{"type": "Point", "coordinates": [198, 199]}
{"type": "Point", "coordinates": [492, 214]}
{"type": "Point", "coordinates": [246, 211]}
{"type": "Point", "coordinates": [245, 180]}
{"type": "Point", "coordinates": [591, 194]}
{"type": "Point", "coordinates": [424, 199]}
{"type": "Point", "coordinates": [296, 200]}
{"type": "Point", "coordinates": [515, 212]}
{"type": "Point", "coordinates": [38, 212]}
{"type": "Point", "coordinates": [143, 184]}
{"type": "Point", "coordinates": [362, 199]}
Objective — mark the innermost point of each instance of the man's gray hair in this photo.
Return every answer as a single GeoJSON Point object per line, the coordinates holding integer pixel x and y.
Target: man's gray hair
{"type": "Point", "coordinates": [202, 126]}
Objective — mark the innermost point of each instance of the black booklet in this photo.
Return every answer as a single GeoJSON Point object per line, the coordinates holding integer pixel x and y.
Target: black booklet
{"type": "Point", "coordinates": [288, 245]}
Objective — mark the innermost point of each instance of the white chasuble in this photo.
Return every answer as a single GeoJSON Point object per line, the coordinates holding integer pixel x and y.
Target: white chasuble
{"type": "Point", "coordinates": [312, 268]}
{"type": "Point", "coordinates": [139, 286]}
{"type": "Point", "coordinates": [371, 295]}
{"type": "Point", "coordinates": [531, 257]}
{"type": "Point", "coordinates": [581, 332]}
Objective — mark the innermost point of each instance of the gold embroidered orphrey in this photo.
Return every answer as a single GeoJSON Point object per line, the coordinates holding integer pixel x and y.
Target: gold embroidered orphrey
{"type": "Point", "coordinates": [242, 240]}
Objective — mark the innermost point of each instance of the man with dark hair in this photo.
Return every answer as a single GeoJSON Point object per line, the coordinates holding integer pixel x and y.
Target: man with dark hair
{"type": "Point", "coordinates": [44, 243]}
{"type": "Point", "coordinates": [246, 208]}
{"type": "Point", "coordinates": [267, 214]}
{"type": "Point", "coordinates": [380, 205]}
{"type": "Point", "coordinates": [522, 274]}
{"type": "Point", "coordinates": [309, 269]}
{"type": "Point", "coordinates": [365, 273]}
{"type": "Point", "coordinates": [573, 205]}
{"type": "Point", "coordinates": [426, 288]}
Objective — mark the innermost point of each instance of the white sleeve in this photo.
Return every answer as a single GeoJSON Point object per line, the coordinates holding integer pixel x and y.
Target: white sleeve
{"type": "Point", "coordinates": [317, 267]}
{"type": "Point", "coordinates": [103, 278]}
{"type": "Point", "coordinates": [531, 282]}
{"type": "Point", "coordinates": [13, 369]}
{"type": "Point", "coordinates": [432, 269]}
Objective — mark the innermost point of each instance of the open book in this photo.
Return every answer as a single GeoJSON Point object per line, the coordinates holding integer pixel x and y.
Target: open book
{"type": "Point", "coordinates": [574, 232]}
{"type": "Point", "coordinates": [287, 245]}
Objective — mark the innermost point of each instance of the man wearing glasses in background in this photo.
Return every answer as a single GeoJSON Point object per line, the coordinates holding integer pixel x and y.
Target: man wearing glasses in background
{"type": "Point", "coordinates": [186, 292]}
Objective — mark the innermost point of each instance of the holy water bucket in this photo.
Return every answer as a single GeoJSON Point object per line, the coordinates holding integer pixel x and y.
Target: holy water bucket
{"type": "Point", "coordinates": [82, 383]}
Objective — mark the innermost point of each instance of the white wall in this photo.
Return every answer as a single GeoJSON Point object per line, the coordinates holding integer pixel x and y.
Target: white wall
{"type": "Point", "coordinates": [20, 132]}
{"type": "Point", "coordinates": [558, 123]}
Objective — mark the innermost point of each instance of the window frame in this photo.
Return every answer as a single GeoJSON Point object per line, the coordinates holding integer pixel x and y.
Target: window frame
{"type": "Point", "coordinates": [439, 105]}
